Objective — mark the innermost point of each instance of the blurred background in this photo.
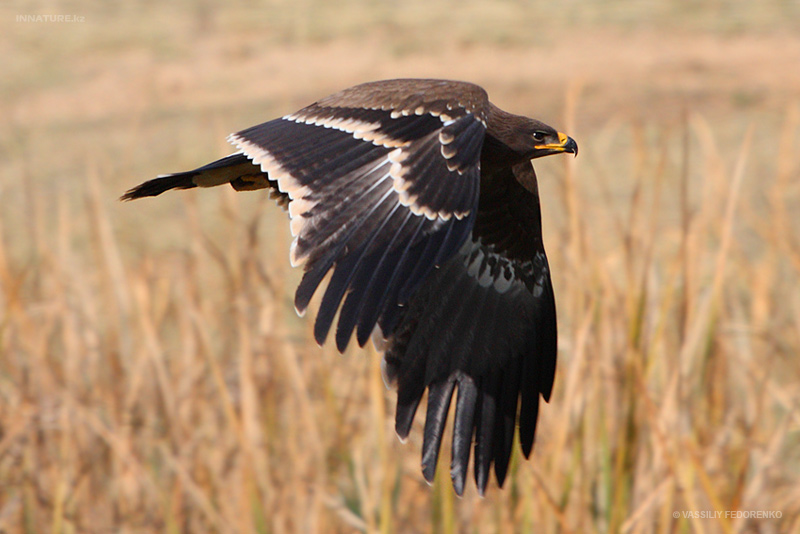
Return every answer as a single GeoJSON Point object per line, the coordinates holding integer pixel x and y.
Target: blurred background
{"type": "Point", "coordinates": [155, 378]}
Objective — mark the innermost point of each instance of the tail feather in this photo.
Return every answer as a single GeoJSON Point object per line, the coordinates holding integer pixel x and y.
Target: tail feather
{"type": "Point", "coordinates": [235, 169]}
{"type": "Point", "coordinates": [156, 186]}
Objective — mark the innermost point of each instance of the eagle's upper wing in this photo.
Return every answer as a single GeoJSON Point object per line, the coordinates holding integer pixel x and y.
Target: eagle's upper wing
{"type": "Point", "coordinates": [486, 323]}
{"type": "Point", "coordinates": [383, 182]}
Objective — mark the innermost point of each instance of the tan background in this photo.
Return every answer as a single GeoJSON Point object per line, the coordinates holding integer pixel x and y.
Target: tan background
{"type": "Point", "coordinates": [154, 377]}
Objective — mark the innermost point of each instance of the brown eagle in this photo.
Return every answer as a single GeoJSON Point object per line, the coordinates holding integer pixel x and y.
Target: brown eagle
{"type": "Point", "coordinates": [421, 198]}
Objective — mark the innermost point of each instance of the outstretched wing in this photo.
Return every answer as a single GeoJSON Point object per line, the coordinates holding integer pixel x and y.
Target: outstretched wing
{"type": "Point", "coordinates": [383, 182]}
{"type": "Point", "coordinates": [484, 322]}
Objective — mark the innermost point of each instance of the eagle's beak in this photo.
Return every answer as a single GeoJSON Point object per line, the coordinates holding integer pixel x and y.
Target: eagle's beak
{"type": "Point", "coordinates": [565, 144]}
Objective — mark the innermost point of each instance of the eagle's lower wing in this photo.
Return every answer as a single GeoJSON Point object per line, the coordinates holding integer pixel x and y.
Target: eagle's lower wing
{"type": "Point", "coordinates": [484, 322]}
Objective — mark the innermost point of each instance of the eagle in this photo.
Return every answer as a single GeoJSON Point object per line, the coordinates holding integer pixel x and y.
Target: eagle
{"type": "Point", "coordinates": [420, 199]}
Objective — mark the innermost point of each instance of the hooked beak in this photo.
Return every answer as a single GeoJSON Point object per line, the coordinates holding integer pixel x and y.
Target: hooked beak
{"type": "Point", "coordinates": [565, 144]}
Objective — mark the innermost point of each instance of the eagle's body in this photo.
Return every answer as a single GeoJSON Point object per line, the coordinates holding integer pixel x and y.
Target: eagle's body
{"type": "Point", "coordinates": [420, 196]}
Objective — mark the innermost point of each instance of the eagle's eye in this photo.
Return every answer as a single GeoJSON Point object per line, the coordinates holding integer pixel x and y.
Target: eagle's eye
{"type": "Point", "coordinates": [538, 136]}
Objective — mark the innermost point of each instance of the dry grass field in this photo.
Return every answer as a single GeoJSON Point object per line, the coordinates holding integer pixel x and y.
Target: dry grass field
{"type": "Point", "coordinates": [155, 378]}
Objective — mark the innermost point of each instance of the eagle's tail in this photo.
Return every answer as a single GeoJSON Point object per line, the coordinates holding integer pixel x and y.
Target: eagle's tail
{"type": "Point", "coordinates": [236, 169]}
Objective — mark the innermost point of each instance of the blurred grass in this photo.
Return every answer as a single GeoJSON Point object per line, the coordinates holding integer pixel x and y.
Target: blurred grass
{"type": "Point", "coordinates": [154, 376]}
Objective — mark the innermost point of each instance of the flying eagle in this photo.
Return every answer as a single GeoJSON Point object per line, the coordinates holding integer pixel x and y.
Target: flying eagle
{"type": "Point", "coordinates": [421, 198]}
